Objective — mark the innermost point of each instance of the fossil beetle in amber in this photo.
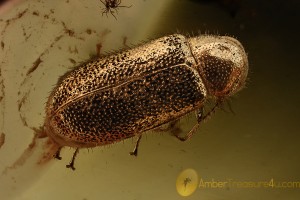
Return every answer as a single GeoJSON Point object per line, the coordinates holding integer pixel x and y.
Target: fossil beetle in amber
{"type": "Point", "coordinates": [119, 96]}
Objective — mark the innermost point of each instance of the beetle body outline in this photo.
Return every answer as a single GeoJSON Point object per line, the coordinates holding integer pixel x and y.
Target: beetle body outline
{"type": "Point", "coordinates": [109, 99]}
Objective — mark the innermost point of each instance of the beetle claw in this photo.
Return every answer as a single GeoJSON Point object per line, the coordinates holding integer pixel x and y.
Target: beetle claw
{"type": "Point", "coordinates": [135, 150]}
{"type": "Point", "coordinates": [57, 154]}
{"type": "Point", "coordinates": [71, 164]}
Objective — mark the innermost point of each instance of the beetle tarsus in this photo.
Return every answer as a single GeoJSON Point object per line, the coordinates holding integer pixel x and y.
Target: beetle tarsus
{"type": "Point", "coordinates": [71, 164]}
{"type": "Point", "coordinates": [189, 134]}
{"type": "Point", "coordinates": [57, 154]}
{"type": "Point", "coordinates": [135, 150]}
{"type": "Point", "coordinates": [200, 118]}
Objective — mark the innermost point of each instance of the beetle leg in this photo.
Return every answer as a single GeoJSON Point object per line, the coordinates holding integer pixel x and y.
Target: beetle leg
{"type": "Point", "coordinates": [71, 164]}
{"type": "Point", "coordinates": [227, 108]}
{"type": "Point", "coordinates": [57, 154]}
{"type": "Point", "coordinates": [171, 126]}
{"type": "Point", "coordinates": [200, 118]}
{"type": "Point", "coordinates": [194, 129]}
{"type": "Point", "coordinates": [135, 150]}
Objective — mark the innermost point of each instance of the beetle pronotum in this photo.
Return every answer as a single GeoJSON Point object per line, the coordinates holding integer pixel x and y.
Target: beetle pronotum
{"type": "Point", "coordinates": [109, 99]}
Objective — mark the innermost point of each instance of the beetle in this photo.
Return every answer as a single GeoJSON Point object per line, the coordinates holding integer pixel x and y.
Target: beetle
{"type": "Point", "coordinates": [119, 96]}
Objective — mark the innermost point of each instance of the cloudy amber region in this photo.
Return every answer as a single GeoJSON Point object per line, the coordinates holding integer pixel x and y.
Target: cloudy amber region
{"type": "Point", "coordinates": [187, 182]}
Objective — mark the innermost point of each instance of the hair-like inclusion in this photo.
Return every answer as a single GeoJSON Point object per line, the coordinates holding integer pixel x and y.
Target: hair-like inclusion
{"type": "Point", "coordinates": [109, 99]}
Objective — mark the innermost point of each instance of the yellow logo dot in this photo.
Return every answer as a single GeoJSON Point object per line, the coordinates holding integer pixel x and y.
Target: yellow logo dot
{"type": "Point", "coordinates": [187, 182]}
